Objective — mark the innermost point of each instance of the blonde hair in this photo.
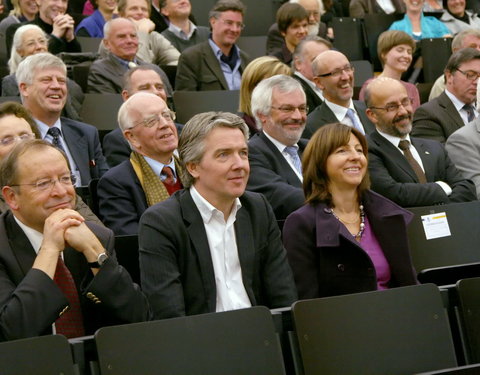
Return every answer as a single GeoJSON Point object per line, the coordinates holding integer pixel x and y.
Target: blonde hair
{"type": "Point", "coordinates": [258, 70]}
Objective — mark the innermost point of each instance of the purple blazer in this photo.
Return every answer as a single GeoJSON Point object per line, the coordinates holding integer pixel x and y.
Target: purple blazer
{"type": "Point", "coordinates": [327, 261]}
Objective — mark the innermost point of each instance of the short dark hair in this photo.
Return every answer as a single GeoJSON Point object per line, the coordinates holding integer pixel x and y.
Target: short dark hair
{"type": "Point", "coordinates": [460, 57]}
{"type": "Point", "coordinates": [9, 165]}
{"type": "Point", "coordinates": [18, 110]}
{"type": "Point", "coordinates": [289, 13]}
{"type": "Point", "coordinates": [226, 5]}
{"type": "Point", "coordinates": [322, 144]}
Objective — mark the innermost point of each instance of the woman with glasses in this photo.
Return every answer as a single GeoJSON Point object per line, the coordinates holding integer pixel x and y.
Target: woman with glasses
{"type": "Point", "coordinates": [17, 125]}
{"type": "Point", "coordinates": [346, 239]}
{"type": "Point", "coordinates": [395, 50]}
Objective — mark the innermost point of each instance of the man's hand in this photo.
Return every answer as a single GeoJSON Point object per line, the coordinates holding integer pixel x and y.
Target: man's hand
{"type": "Point", "coordinates": [63, 27]}
{"type": "Point", "coordinates": [82, 239]}
{"type": "Point", "coordinates": [145, 25]}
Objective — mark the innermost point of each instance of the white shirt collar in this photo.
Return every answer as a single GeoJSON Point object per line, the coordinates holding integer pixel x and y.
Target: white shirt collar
{"type": "Point", "coordinates": [207, 210]}
{"type": "Point", "coordinates": [456, 102]}
{"type": "Point", "coordinates": [394, 140]}
{"type": "Point", "coordinates": [311, 84]}
{"type": "Point", "coordinates": [339, 111]}
{"type": "Point", "coordinates": [43, 128]}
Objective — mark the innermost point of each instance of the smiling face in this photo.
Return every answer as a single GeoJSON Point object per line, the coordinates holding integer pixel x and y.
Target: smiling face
{"type": "Point", "coordinates": [462, 87]}
{"type": "Point", "coordinates": [136, 9]}
{"type": "Point", "coordinates": [414, 5]}
{"type": "Point", "coordinates": [296, 32]}
{"type": "Point", "coordinates": [28, 8]}
{"type": "Point", "coordinates": [157, 142]}
{"type": "Point", "coordinates": [33, 41]}
{"type": "Point", "coordinates": [337, 88]}
{"type": "Point", "coordinates": [286, 127]}
{"type": "Point", "coordinates": [346, 166]}
{"type": "Point", "coordinates": [47, 94]}
{"type": "Point", "coordinates": [107, 6]}
{"type": "Point", "coordinates": [456, 7]}
{"type": "Point", "coordinates": [226, 29]}
{"type": "Point", "coordinates": [30, 205]}
{"type": "Point", "coordinates": [12, 126]}
{"type": "Point", "coordinates": [122, 39]}
{"type": "Point", "coordinates": [222, 173]}
{"type": "Point", "coordinates": [177, 9]}
{"type": "Point", "coordinates": [49, 9]}
{"type": "Point", "coordinates": [398, 58]}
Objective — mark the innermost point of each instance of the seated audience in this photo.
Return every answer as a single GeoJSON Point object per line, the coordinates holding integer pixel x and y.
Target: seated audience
{"type": "Point", "coordinates": [292, 21]}
{"type": "Point", "coordinates": [17, 125]}
{"type": "Point", "coordinates": [23, 11]}
{"type": "Point", "coordinates": [216, 64]}
{"type": "Point", "coordinates": [121, 41]}
{"type": "Point", "coordinates": [259, 69]}
{"type": "Point", "coordinates": [409, 171]}
{"type": "Point", "coordinates": [59, 273]}
{"type": "Point", "coordinates": [181, 31]}
{"type": "Point", "coordinates": [29, 40]}
{"type": "Point", "coordinates": [346, 239]}
{"type": "Point", "coordinates": [333, 74]}
{"type": "Point", "coordinates": [279, 106]}
{"type": "Point", "coordinates": [56, 23]}
{"type": "Point", "coordinates": [303, 56]}
{"type": "Point", "coordinates": [275, 40]}
{"type": "Point", "coordinates": [456, 18]}
{"type": "Point", "coordinates": [92, 26]}
{"type": "Point", "coordinates": [359, 8]}
{"type": "Point", "coordinates": [153, 47]}
{"type": "Point", "coordinates": [42, 83]}
{"type": "Point", "coordinates": [469, 38]}
{"type": "Point", "coordinates": [418, 26]}
{"type": "Point", "coordinates": [455, 107]}
{"type": "Point", "coordinates": [200, 249]}
{"type": "Point", "coordinates": [151, 175]}
{"type": "Point", "coordinates": [395, 49]}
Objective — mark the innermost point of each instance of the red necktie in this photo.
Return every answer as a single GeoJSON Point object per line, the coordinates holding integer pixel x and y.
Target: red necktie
{"type": "Point", "coordinates": [170, 179]}
{"type": "Point", "coordinates": [70, 323]}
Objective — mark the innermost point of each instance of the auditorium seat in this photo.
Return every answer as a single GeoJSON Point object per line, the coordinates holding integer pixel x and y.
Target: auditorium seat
{"type": "Point", "coordinates": [254, 46]}
{"type": "Point", "coordinates": [349, 37]}
{"type": "Point", "coordinates": [435, 53]}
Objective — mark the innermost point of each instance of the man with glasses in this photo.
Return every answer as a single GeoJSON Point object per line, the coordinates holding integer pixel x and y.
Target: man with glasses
{"type": "Point", "coordinates": [217, 63]}
{"type": "Point", "coordinates": [151, 174]}
{"type": "Point", "coordinates": [333, 74]}
{"type": "Point", "coordinates": [280, 109]}
{"type": "Point", "coordinates": [409, 171]}
{"type": "Point", "coordinates": [455, 107]}
{"type": "Point", "coordinates": [58, 272]}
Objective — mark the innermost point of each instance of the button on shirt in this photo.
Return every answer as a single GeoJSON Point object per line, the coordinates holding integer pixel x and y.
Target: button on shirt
{"type": "Point", "coordinates": [43, 128]}
{"type": "Point", "coordinates": [231, 293]}
{"type": "Point", "coordinates": [341, 113]}
{"type": "Point", "coordinates": [288, 157]}
{"type": "Point", "coordinates": [233, 77]}
{"type": "Point", "coordinates": [459, 107]}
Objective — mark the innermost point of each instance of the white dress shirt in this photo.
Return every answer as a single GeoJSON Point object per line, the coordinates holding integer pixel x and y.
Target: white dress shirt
{"type": "Point", "coordinates": [340, 113]}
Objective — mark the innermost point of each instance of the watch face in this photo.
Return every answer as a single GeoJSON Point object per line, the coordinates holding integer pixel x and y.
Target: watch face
{"type": "Point", "coordinates": [102, 258]}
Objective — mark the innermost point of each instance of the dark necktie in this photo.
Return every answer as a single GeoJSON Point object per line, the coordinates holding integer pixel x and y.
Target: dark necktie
{"type": "Point", "coordinates": [70, 323]}
{"type": "Point", "coordinates": [404, 145]}
{"type": "Point", "coordinates": [470, 112]}
{"type": "Point", "coordinates": [55, 133]}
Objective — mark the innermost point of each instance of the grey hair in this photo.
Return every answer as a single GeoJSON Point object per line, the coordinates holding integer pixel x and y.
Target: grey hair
{"type": "Point", "coordinates": [226, 5]}
{"type": "Point", "coordinates": [15, 57]}
{"type": "Point", "coordinates": [298, 51]}
{"type": "Point", "coordinates": [125, 118]}
{"type": "Point", "coordinates": [458, 40]}
{"type": "Point", "coordinates": [32, 64]}
{"type": "Point", "coordinates": [262, 93]}
{"type": "Point", "coordinates": [108, 26]}
{"type": "Point", "coordinates": [191, 145]}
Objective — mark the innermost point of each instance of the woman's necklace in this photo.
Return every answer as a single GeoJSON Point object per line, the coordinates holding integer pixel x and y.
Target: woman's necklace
{"type": "Point", "coordinates": [357, 236]}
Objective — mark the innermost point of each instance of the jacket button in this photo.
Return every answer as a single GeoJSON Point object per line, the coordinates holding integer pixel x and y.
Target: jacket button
{"type": "Point", "coordinates": [90, 295]}
{"type": "Point", "coordinates": [341, 267]}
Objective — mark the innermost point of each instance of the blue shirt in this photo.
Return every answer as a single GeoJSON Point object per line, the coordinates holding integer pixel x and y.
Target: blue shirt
{"type": "Point", "coordinates": [232, 76]}
{"type": "Point", "coordinates": [431, 27]}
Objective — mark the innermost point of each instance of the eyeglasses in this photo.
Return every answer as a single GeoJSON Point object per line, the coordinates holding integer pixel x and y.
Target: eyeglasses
{"type": "Point", "coordinates": [46, 184]}
{"type": "Point", "coordinates": [7, 141]}
{"type": "Point", "coordinates": [470, 74]}
{"type": "Point", "coordinates": [338, 72]}
{"type": "Point", "coordinates": [231, 23]}
{"type": "Point", "coordinates": [290, 109]}
{"type": "Point", "coordinates": [155, 119]}
{"type": "Point", "coordinates": [394, 107]}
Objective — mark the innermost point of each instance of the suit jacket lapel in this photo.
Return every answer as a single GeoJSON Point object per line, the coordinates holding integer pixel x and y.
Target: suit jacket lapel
{"type": "Point", "coordinates": [212, 62]}
{"type": "Point", "coordinates": [199, 241]}
{"type": "Point", "coordinates": [368, 126]}
{"type": "Point", "coordinates": [246, 250]}
{"type": "Point", "coordinates": [450, 110]}
{"type": "Point", "coordinates": [77, 145]}
{"type": "Point", "coordinates": [427, 161]}
{"type": "Point", "coordinates": [326, 114]}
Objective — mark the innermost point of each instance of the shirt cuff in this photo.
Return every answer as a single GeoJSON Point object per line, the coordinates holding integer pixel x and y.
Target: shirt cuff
{"type": "Point", "coordinates": [446, 188]}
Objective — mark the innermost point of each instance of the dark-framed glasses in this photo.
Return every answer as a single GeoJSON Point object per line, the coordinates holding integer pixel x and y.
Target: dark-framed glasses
{"type": "Point", "coordinates": [47, 184]}
{"type": "Point", "coordinates": [290, 109]}
{"type": "Point", "coordinates": [470, 74]}
{"type": "Point", "coordinates": [394, 107]}
{"type": "Point", "coordinates": [155, 119]}
{"type": "Point", "coordinates": [7, 141]}
{"type": "Point", "coordinates": [338, 72]}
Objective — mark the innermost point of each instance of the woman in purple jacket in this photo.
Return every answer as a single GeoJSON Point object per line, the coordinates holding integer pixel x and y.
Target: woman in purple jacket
{"type": "Point", "coordinates": [346, 239]}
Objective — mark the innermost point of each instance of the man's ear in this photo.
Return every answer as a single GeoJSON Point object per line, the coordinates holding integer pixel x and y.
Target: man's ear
{"type": "Point", "coordinates": [10, 197]}
{"type": "Point", "coordinates": [372, 116]}
{"type": "Point", "coordinates": [192, 169]}
{"type": "Point", "coordinates": [318, 83]}
{"type": "Point", "coordinates": [22, 87]}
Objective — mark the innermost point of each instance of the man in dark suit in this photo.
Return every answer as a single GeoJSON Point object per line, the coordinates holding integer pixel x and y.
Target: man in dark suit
{"type": "Point", "coordinates": [303, 56]}
{"type": "Point", "coordinates": [213, 246]}
{"type": "Point", "coordinates": [42, 84]}
{"type": "Point", "coordinates": [334, 76]}
{"type": "Point", "coordinates": [455, 107]}
{"type": "Point", "coordinates": [409, 171]}
{"type": "Point", "coordinates": [151, 174]}
{"type": "Point", "coordinates": [216, 64]}
{"type": "Point", "coordinates": [58, 273]}
{"type": "Point", "coordinates": [279, 106]}
{"type": "Point", "coordinates": [121, 41]}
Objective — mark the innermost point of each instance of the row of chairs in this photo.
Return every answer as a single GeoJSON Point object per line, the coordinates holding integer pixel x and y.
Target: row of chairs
{"type": "Point", "coordinates": [398, 331]}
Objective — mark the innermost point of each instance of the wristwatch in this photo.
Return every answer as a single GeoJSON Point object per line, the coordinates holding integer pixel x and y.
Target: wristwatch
{"type": "Point", "coordinates": [102, 257]}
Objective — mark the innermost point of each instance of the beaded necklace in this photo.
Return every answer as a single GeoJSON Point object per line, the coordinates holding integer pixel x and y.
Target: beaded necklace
{"type": "Point", "coordinates": [357, 236]}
